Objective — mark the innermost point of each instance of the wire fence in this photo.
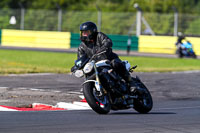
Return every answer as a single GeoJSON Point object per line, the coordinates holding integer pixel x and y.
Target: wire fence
{"type": "Point", "coordinates": [188, 24]}
{"type": "Point", "coordinates": [122, 23]}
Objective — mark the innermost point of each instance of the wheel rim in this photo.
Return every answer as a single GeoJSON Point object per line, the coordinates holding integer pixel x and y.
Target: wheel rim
{"type": "Point", "coordinates": [145, 99]}
{"type": "Point", "coordinates": [101, 101]}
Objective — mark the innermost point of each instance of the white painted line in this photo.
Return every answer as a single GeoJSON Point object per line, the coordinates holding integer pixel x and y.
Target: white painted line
{"type": "Point", "coordinates": [83, 104]}
{"type": "Point", "coordinates": [6, 109]}
{"type": "Point", "coordinates": [3, 87]}
{"type": "Point", "coordinates": [22, 88]}
{"type": "Point", "coordinates": [34, 89]}
{"type": "Point", "coordinates": [71, 106]}
{"type": "Point", "coordinates": [74, 92]}
{"type": "Point", "coordinates": [57, 91]}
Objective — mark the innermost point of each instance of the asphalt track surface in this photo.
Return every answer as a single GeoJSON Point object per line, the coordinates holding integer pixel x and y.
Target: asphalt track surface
{"type": "Point", "coordinates": [176, 108]}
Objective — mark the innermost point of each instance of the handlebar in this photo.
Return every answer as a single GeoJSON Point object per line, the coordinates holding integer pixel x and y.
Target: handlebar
{"type": "Point", "coordinates": [97, 55]}
{"type": "Point", "coordinates": [88, 60]}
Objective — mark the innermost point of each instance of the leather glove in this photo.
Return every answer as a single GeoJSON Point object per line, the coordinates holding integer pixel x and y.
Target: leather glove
{"type": "Point", "coordinates": [73, 68]}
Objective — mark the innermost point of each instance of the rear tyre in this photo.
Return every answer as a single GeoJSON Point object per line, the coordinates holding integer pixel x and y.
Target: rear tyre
{"type": "Point", "coordinates": [194, 56]}
{"type": "Point", "coordinates": [100, 104]}
{"type": "Point", "coordinates": [144, 103]}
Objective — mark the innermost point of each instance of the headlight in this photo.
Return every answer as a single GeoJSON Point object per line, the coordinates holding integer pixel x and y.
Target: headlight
{"type": "Point", "coordinates": [127, 64]}
{"type": "Point", "coordinates": [79, 73]}
{"type": "Point", "coordinates": [88, 67]}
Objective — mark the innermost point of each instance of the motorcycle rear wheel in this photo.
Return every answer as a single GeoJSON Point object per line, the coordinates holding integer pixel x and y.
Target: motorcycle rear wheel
{"type": "Point", "coordinates": [194, 56]}
{"type": "Point", "coordinates": [100, 105]}
{"type": "Point", "coordinates": [144, 103]}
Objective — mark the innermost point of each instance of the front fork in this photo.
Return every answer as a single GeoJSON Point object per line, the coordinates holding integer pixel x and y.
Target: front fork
{"type": "Point", "coordinates": [97, 83]}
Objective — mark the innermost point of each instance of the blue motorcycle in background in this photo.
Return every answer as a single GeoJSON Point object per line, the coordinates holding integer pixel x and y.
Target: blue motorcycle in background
{"type": "Point", "coordinates": [185, 49]}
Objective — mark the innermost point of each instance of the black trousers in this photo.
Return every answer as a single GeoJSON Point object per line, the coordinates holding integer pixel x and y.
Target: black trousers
{"type": "Point", "coordinates": [120, 68]}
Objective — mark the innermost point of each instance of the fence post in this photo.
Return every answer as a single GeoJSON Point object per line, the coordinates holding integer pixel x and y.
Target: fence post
{"type": "Point", "coordinates": [22, 16]}
{"type": "Point", "coordinates": [0, 36]}
{"type": "Point", "coordinates": [175, 21]}
{"type": "Point", "coordinates": [59, 17]}
{"type": "Point", "coordinates": [138, 21]}
{"type": "Point", "coordinates": [60, 20]}
{"type": "Point", "coordinates": [99, 17]}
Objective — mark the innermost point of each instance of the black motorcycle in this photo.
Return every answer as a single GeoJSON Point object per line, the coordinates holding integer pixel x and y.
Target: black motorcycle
{"type": "Point", "coordinates": [105, 90]}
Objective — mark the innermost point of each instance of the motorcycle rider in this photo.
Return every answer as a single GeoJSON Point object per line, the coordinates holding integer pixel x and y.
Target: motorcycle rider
{"type": "Point", "coordinates": [93, 42]}
{"type": "Point", "coordinates": [181, 37]}
{"type": "Point", "coordinates": [179, 42]}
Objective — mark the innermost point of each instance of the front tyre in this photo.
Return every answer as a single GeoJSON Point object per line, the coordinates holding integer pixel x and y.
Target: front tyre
{"type": "Point", "coordinates": [144, 103]}
{"type": "Point", "coordinates": [100, 104]}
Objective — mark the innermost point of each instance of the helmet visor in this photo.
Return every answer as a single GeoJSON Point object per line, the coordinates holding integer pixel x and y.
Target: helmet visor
{"type": "Point", "coordinates": [85, 33]}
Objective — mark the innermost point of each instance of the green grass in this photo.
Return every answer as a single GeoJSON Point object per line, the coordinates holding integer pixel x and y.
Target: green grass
{"type": "Point", "coordinates": [154, 64]}
{"type": "Point", "coordinates": [19, 61]}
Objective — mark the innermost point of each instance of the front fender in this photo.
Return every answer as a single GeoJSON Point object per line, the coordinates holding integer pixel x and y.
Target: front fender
{"type": "Point", "coordinates": [88, 81]}
{"type": "Point", "coordinates": [96, 83]}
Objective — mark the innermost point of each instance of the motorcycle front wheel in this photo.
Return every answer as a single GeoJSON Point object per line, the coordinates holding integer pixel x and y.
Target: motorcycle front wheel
{"type": "Point", "coordinates": [100, 104]}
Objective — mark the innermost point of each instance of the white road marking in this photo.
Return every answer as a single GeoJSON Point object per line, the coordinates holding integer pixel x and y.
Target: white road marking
{"type": "Point", "coordinates": [74, 92]}
{"type": "Point", "coordinates": [3, 87]}
{"type": "Point", "coordinates": [6, 109]}
{"type": "Point", "coordinates": [43, 90]}
{"type": "Point", "coordinates": [33, 89]}
{"type": "Point", "coordinates": [72, 106]}
{"type": "Point", "coordinates": [57, 91]}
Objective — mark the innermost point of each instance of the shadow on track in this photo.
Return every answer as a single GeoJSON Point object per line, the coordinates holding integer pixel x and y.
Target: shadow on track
{"type": "Point", "coordinates": [135, 113]}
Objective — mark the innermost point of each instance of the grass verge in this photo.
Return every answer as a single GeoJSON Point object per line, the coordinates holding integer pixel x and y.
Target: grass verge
{"type": "Point", "coordinates": [19, 61]}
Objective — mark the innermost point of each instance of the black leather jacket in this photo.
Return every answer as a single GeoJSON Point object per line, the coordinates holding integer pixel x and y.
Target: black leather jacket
{"type": "Point", "coordinates": [100, 43]}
